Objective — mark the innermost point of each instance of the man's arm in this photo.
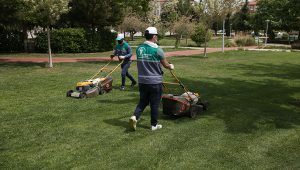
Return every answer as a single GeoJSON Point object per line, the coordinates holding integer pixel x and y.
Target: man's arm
{"type": "Point", "coordinates": [163, 59]}
{"type": "Point", "coordinates": [129, 52]}
{"type": "Point", "coordinates": [114, 53]}
{"type": "Point", "coordinates": [166, 64]}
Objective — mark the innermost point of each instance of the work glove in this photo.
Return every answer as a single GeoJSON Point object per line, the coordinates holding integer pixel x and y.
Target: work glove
{"type": "Point", "coordinates": [121, 57]}
{"type": "Point", "coordinates": [171, 66]}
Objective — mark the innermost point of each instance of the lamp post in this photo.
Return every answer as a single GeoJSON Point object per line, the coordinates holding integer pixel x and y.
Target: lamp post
{"type": "Point", "coordinates": [267, 31]}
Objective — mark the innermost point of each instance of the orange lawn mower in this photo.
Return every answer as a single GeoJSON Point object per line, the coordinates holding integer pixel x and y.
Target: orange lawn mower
{"type": "Point", "coordinates": [96, 85]}
{"type": "Point", "coordinates": [188, 103]}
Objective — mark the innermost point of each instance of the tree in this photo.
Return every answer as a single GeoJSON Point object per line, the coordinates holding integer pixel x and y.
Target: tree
{"type": "Point", "coordinates": [14, 16]}
{"type": "Point", "coordinates": [182, 27]}
{"type": "Point", "coordinates": [241, 20]}
{"type": "Point", "coordinates": [138, 7]}
{"type": "Point", "coordinates": [94, 14]}
{"type": "Point", "coordinates": [283, 14]}
{"type": "Point", "coordinates": [201, 35]}
{"type": "Point", "coordinates": [46, 13]}
{"type": "Point", "coordinates": [9, 13]}
{"type": "Point", "coordinates": [169, 14]}
{"type": "Point", "coordinates": [211, 11]}
{"type": "Point", "coordinates": [184, 8]}
{"type": "Point", "coordinates": [132, 24]}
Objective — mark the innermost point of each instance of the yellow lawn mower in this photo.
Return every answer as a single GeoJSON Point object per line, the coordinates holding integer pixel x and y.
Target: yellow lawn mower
{"type": "Point", "coordinates": [96, 85]}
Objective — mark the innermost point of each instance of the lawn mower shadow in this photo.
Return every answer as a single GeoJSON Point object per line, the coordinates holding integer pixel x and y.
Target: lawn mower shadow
{"type": "Point", "coordinates": [120, 122]}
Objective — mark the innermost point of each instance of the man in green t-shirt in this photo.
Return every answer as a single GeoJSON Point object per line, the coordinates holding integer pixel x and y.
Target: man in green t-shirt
{"type": "Point", "coordinates": [150, 57]}
{"type": "Point", "coordinates": [123, 52]}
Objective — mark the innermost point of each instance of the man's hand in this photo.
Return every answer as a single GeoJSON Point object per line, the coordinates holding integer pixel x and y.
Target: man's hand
{"type": "Point", "coordinates": [171, 66]}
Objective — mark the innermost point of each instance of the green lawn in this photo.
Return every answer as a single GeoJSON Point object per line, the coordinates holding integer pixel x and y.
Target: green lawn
{"type": "Point", "coordinates": [253, 121]}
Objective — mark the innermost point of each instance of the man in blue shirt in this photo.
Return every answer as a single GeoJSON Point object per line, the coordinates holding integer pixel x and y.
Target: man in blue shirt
{"type": "Point", "coordinates": [123, 52]}
{"type": "Point", "coordinates": [150, 57]}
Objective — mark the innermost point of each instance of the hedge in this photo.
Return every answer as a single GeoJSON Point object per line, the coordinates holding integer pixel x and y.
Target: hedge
{"type": "Point", "coordinates": [11, 41]}
{"type": "Point", "coordinates": [76, 40]}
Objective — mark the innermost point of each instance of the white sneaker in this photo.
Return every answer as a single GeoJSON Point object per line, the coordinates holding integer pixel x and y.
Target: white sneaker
{"type": "Point", "coordinates": [156, 127]}
{"type": "Point", "coordinates": [132, 122]}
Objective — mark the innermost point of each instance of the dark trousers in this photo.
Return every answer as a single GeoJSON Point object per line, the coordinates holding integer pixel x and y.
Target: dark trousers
{"type": "Point", "coordinates": [125, 73]}
{"type": "Point", "coordinates": [149, 93]}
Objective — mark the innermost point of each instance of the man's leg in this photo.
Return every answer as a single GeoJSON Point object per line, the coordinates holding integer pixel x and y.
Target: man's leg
{"type": "Point", "coordinates": [125, 68]}
{"type": "Point", "coordinates": [155, 97]}
{"type": "Point", "coordinates": [123, 76]}
{"type": "Point", "coordinates": [144, 100]}
{"type": "Point", "coordinates": [133, 82]}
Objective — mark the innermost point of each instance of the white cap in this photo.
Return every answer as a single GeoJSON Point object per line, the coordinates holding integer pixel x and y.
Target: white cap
{"type": "Point", "coordinates": [120, 37]}
{"type": "Point", "coordinates": [152, 30]}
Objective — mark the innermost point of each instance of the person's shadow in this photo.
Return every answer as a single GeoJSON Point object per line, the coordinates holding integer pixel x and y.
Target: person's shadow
{"type": "Point", "coordinates": [125, 124]}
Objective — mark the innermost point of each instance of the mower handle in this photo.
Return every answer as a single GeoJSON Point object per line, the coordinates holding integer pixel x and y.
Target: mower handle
{"type": "Point", "coordinates": [180, 84]}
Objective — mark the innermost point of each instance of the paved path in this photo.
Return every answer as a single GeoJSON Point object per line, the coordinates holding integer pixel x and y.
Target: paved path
{"type": "Point", "coordinates": [87, 59]}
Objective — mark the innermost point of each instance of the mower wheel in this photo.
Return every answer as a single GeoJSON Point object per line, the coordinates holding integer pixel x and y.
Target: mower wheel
{"type": "Point", "coordinates": [102, 91]}
{"type": "Point", "coordinates": [82, 96]}
{"type": "Point", "coordinates": [195, 109]}
{"type": "Point", "coordinates": [69, 93]}
{"type": "Point", "coordinates": [204, 104]}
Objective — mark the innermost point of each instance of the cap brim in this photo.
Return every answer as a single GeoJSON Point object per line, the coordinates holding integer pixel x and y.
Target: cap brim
{"type": "Point", "coordinates": [118, 39]}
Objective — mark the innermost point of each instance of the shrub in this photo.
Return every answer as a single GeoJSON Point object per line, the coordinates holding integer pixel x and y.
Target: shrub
{"type": "Point", "coordinates": [199, 35]}
{"type": "Point", "coordinates": [11, 41]}
{"type": "Point", "coordinates": [76, 40]}
{"type": "Point", "coordinates": [244, 40]}
{"type": "Point", "coordinates": [62, 40]}
{"type": "Point", "coordinates": [285, 36]}
{"type": "Point", "coordinates": [230, 44]}
{"type": "Point", "coordinates": [98, 41]}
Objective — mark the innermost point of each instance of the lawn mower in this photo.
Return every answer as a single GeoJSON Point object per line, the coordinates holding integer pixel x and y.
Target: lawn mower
{"type": "Point", "coordinates": [94, 86]}
{"type": "Point", "coordinates": [188, 103]}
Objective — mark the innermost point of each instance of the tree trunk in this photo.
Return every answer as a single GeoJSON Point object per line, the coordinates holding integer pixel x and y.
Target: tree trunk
{"type": "Point", "coordinates": [132, 35]}
{"type": "Point", "coordinates": [49, 47]}
{"type": "Point", "coordinates": [177, 41]}
{"type": "Point", "coordinates": [186, 40]}
{"type": "Point", "coordinates": [205, 46]}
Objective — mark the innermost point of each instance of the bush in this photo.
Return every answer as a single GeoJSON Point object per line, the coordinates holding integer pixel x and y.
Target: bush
{"type": "Point", "coordinates": [62, 40]}
{"type": "Point", "coordinates": [76, 40]}
{"type": "Point", "coordinates": [244, 40]}
{"type": "Point", "coordinates": [230, 44]}
{"type": "Point", "coordinates": [102, 40]}
{"type": "Point", "coordinates": [199, 35]}
{"type": "Point", "coordinates": [11, 41]}
{"type": "Point", "coordinates": [285, 36]}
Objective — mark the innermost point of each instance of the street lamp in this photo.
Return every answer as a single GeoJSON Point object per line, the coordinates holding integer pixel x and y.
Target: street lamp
{"type": "Point", "coordinates": [267, 32]}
